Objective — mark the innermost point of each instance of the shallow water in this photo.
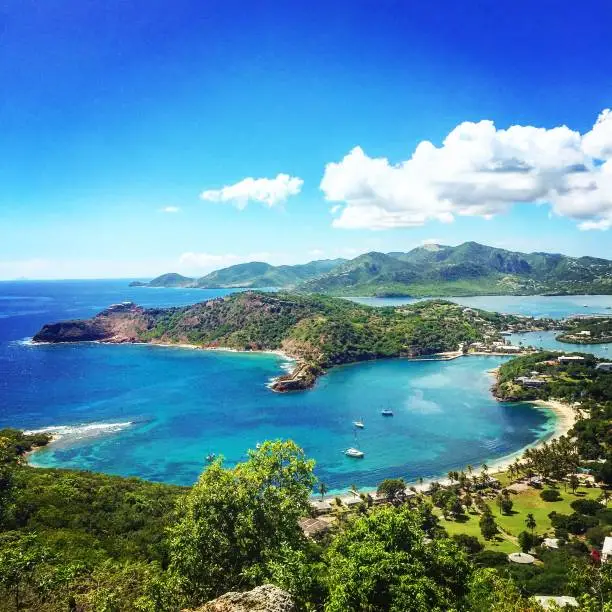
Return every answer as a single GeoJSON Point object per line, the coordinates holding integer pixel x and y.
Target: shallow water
{"type": "Point", "coordinates": [157, 412]}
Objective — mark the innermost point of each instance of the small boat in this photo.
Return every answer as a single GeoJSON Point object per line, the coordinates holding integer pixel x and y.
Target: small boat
{"type": "Point", "coordinates": [386, 412]}
{"type": "Point", "coordinates": [359, 424]}
{"type": "Point", "coordinates": [355, 453]}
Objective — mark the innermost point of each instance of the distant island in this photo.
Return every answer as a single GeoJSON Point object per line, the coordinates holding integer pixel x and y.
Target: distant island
{"type": "Point", "coordinates": [318, 331]}
{"type": "Point", "coordinates": [428, 271]}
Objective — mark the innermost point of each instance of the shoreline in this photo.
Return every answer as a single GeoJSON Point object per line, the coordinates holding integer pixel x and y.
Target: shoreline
{"type": "Point", "coordinates": [564, 414]}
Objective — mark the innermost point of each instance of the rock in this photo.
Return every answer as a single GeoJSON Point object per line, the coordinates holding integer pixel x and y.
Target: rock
{"type": "Point", "coordinates": [265, 598]}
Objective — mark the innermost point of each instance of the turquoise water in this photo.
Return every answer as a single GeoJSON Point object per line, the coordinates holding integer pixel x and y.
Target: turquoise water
{"type": "Point", "coordinates": [157, 412]}
{"type": "Point", "coordinates": [547, 340]}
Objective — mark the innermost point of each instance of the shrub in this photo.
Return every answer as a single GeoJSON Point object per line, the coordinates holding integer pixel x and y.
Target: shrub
{"type": "Point", "coordinates": [550, 495]}
{"type": "Point", "coordinates": [471, 544]}
{"type": "Point", "coordinates": [490, 558]}
{"type": "Point", "coordinates": [595, 535]}
{"type": "Point", "coordinates": [526, 541]}
{"type": "Point", "coordinates": [579, 523]}
{"type": "Point", "coordinates": [586, 506]}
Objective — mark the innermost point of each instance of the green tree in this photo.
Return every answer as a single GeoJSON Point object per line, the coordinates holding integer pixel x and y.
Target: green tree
{"type": "Point", "coordinates": [525, 541]}
{"type": "Point", "coordinates": [20, 559]}
{"type": "Point", "coordinates": [574, 483]}
{"type": "Point", "coordinates": [392, 489]}
{"type": "Point", "coordinates": [490, 592]}
{"type": "Point", "coordinates": [530, 522]}
{"type": "Point", "coordinates": [488, 526]}
{"type": "Point", "coordinates": [383, 562]}
{"type": "Point", "coordinates": [235, 521]}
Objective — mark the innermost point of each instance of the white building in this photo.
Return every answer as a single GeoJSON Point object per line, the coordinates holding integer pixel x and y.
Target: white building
{"type": "Point", "coordinates": [606, 551]}
{"type": "Point", "coordinates": [569, 358]}
{"type": "Point", "coordinates": [605, 367]}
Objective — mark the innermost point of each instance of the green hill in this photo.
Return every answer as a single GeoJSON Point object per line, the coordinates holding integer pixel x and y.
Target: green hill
{"type": "Point", "coordinates": [467, 269]}
{"type": "Point", "coordinates": [172, 279]}
{"type": "Point", "coordinates": [258, 274]}
{"type": "Point", "coordinates": [319, 331]}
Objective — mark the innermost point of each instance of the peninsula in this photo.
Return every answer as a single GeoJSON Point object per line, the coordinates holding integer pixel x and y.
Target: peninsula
{"type": "Point", "coordinates": [587, 330]}
{"type": "Point", "coordinates": [318, 331]}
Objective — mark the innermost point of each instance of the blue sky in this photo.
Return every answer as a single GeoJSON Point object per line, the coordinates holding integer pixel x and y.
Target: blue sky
{"type": "Point", "coordinates": [112, 112]}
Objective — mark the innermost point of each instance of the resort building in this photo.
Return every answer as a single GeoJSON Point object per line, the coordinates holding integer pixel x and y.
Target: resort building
{"type": "Point", "coordinates": [569, 358]}
{"type": "Point", "coordinates": [509, 348]}
{"type": "Point", "coordinates": [606, 551]}
{"type": "Point", "coordinates": [526, 381]}
{"type": "Point", "coordinates": [604, 367]}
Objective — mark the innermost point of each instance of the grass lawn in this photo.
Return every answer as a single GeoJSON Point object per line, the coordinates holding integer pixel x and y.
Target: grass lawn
{"type": "Point", "coordinates": [471, 527]}
{"type": "Point", "coordinates": [530, 501]}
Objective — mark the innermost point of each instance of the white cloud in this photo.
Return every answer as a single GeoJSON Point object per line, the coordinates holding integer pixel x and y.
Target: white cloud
{"type": "Point", "coordinates": [478, 171]}
{"type": "Point", "coordinates": [431, 241]}
{"type": "Point", "coordinates": [316, 252]}
{"type": "Point", "coordinates": [170, 209]}
{"type": "Point", "coordinates": [271, 192]}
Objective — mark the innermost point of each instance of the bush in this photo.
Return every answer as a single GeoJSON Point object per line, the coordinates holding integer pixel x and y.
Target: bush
{"type": "Point", "coordinates": [595, 535]}
{"type": "Point", "coordinates": [527, 541]}
{"type": "Point", "coordinates": [471, 544]}
{"type": "Point", "coordinates": [605, 516]}
{"type": "Point", "coordinates": [579, 523]}
{"type": "Point", "coordinates": [490, 558]}
{"type": "Point", "coordinates": [550, 495]}
{"type": "Point", "coordinates": [586, 506]}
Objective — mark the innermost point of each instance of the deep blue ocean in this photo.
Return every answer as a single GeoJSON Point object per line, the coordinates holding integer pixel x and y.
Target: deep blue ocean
{"type": "Point", "coordinates": [157, 412]}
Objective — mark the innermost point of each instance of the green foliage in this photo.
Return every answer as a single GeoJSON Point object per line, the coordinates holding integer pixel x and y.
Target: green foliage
{"type": "Point", "coordinates": [490, 592]}
{"type": "Point", "coordinates": [526, 541]}
{"type": "Point", "coordinates": [467, 269]}
{"type": "Point", "coordinates": [470, 544]}
{"type": "Point", "coordinates": [236, 521]}
{"type": "Point", "coordinates": [392, 489]}
{"type": "Point", "coordinates": [586, 506]}
{"type": "Point", "coordinates": [488, 526]}
{"type": "Point", "coordinates": [550, 495]}
{"type": "Point", "coordinates": [381, 561]}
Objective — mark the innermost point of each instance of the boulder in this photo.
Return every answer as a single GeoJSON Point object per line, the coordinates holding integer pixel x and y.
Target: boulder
{"type": "Point", "coordinates": [265, 598]}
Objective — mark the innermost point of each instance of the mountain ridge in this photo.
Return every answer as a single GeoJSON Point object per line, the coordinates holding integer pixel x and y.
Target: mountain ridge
{"type": "Point", "coordinates": [430, 270]}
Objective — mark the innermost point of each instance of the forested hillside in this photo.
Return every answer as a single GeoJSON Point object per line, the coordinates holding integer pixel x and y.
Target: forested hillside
{"type": "Point", "coordinates": [320, 331]}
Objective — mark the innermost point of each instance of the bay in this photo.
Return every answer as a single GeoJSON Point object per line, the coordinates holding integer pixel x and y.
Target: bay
{"type": "Point", "coordinates": [157, 412]}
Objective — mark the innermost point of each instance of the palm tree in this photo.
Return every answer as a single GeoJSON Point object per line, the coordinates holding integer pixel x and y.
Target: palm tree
{"type": "Point", "coordinates": [530, 522]}
{"type": "Point", "coordinates": [322, 490]}
{"type": "Point", "coordinates": [354, 490]}
{"type": "Point", "coordinates": [605, 496]}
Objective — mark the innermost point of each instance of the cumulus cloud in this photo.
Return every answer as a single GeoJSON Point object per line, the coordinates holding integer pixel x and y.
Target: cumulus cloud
{"type": "Point", "coordinates": [170, 209]}
{"type": "Point", "coordinates": [478, 170]}
{"type": "Point", "coordinates": [270, 192]}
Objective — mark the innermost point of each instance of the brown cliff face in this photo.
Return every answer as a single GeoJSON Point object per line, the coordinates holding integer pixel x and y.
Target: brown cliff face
{"type": "Point", "coordinates": [118, 323]}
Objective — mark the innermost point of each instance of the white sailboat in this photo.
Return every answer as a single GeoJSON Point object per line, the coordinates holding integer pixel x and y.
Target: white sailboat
{"type": "Point", "coordinates": [353, 451]}
{"type": "Point", "coordinates": [359, 423]}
